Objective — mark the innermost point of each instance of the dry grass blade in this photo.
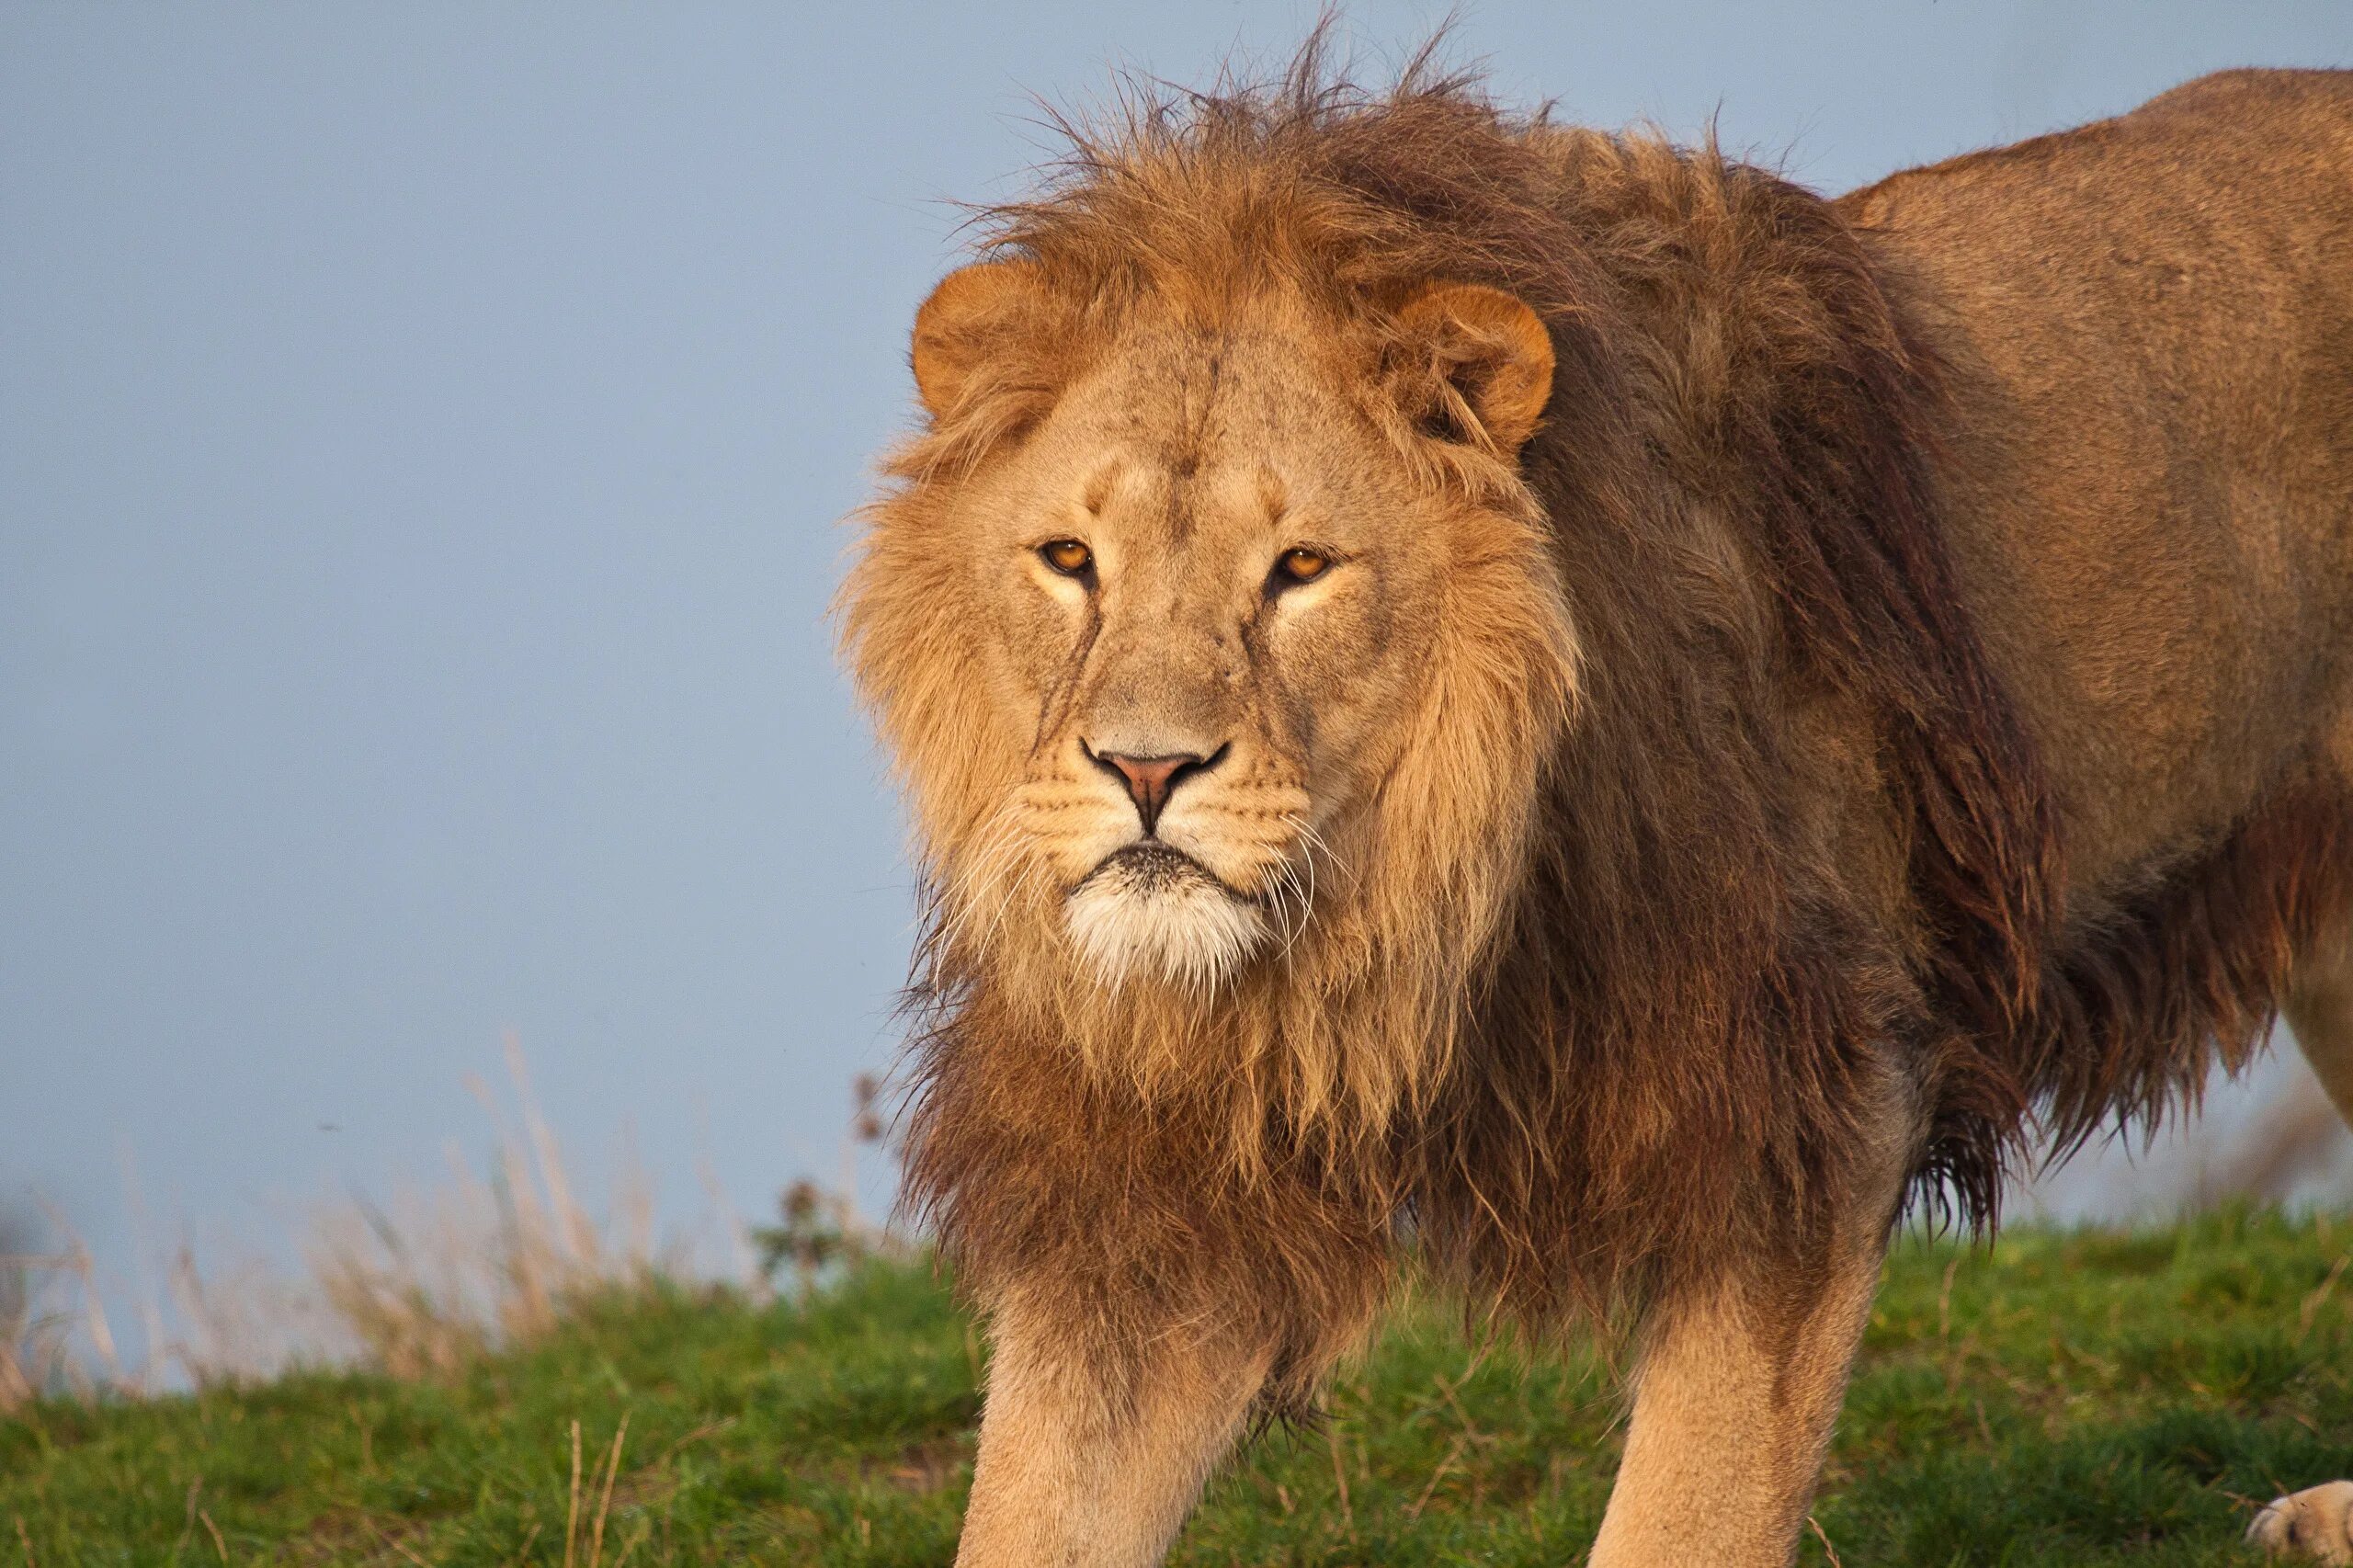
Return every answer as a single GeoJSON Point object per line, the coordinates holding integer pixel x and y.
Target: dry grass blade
{"type": "Point", "coordinates": [396, 1544]}
{"type": "Point", "coordinates": [605, 1500]}
{"type": "Point", "coordinates": [1340, 1476]}
{"type": "Point", "coordinates": [1453, 1454]}
{"type": "Point", "coordinates": [644, 1529]}
{"type": "Point", "coordinates": [573, 1229]}
{"type": "Point", "coordinates": [571, 1513]}
{"type": "Point", "coordinates": [16, 1389]}
{"type": "Point", "coordinates": [188, 1532]}
{"type": "Point", "coordinates": [46, 1295]}
{"type": "Point", "coordinates": [2314, 1303]}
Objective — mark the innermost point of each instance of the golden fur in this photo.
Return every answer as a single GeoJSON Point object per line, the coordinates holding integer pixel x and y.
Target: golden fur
{"type": "Point", "coordinates": [1666, 812]}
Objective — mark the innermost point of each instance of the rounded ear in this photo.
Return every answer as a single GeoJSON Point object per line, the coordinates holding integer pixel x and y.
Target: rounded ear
{"type": "Point", "coordinates": [964, 323]}
{"type": "Point", "coordinates": [1490, 351]}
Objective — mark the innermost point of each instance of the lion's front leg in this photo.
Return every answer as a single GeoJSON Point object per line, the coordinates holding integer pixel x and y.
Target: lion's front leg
{"type": "Point", "coordinates": [1096, 1443]}
{"type": "Point", "coordinates": [1739, 1381]}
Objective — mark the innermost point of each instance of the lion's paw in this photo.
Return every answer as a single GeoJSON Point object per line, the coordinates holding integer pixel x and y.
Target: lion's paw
{"type": "Point", "coordinates": [2316, 1523]}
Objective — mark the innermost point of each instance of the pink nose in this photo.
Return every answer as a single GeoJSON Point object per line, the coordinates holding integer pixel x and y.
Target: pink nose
{"type": "Point", "coordinates": [1151, 778]}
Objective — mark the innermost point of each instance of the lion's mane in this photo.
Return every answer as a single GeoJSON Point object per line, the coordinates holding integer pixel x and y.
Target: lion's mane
{"type": "Point", "coordinates": [1637, 995]}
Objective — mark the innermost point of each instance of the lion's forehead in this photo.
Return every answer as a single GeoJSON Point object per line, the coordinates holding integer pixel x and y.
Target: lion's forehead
{"type": "Point", "coordinates": [1221, 410]}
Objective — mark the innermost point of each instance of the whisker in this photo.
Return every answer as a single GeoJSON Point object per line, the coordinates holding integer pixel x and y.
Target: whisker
{"type": "Point", "coordinates": [986, 866]}
{"type": "Point", "coordinates": [1030, 868]}
{"type": "Point", "coordinates": [1289, 883]}
{"type": "Point", "coordinates": [1310, 841]}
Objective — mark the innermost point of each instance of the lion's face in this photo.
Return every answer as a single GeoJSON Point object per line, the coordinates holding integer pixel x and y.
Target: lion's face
{"type": "Point", "coordinates": [1200, 596]}
{"type": "Point", "coordinates": [1210, 585]}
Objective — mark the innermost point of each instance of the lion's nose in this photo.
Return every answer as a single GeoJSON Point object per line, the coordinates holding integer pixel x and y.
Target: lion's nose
{"type": "Point", "coordinates": [1150, 779]}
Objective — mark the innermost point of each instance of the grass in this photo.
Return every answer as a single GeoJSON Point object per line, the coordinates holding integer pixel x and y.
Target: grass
{"type": "Point", "coordinates": [2062, 1398]}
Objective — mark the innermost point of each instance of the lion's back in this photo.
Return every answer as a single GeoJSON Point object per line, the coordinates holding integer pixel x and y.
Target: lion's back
{"type": "Point", "coordinates": [2248, 130]}
{"type": "Point", "coordinates": [2148, 328]}
{"type": "Point", "coordinates": [2185, 244]}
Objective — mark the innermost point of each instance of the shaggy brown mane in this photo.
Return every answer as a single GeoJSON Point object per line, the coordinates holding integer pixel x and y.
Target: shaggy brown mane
{"type": "Point", "coordinates": [1695, 988]}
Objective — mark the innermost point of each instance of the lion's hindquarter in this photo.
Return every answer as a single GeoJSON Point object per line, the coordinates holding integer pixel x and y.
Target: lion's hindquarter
{"type": "Point", "coordinates": [2147, 328]}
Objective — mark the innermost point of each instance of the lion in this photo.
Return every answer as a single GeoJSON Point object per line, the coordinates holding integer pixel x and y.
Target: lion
{"type": "Point", "coordinates": [1562, 701]}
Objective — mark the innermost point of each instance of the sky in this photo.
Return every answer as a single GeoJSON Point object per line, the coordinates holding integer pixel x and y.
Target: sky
{"type": "Point", "coordinates": [424, 433]}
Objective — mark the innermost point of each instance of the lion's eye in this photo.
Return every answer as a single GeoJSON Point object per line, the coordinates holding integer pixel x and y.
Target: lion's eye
{"type": "Point", "coordinates": [1067, 556]}
{"type": "Point", "coordinates": [1301, 565]}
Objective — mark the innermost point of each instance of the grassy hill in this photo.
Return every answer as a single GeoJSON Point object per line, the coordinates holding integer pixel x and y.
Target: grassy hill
{"type": "Point", "coordinates": [2060, 1398]}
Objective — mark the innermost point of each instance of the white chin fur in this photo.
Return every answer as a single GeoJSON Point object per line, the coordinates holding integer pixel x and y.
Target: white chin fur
{"type": "Point", "coordinates": [1183, 930]}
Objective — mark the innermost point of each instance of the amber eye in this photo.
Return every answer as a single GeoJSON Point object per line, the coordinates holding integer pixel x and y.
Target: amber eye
{"type": "Point", "coordinates": [1067, 556]}
{"type": "Point", "coordinates": [1301, 565]}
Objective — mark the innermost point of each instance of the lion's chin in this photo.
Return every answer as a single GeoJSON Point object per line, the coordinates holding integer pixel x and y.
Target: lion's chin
{"type": "Point", "coordinates": [1150, 913]}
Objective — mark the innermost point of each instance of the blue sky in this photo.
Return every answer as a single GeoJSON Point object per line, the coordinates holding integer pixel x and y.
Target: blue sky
{"type": "Point", "coordinates": [423, 430]}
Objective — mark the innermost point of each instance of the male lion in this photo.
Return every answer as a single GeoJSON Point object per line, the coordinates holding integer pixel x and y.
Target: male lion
{"type": "Point", "coordinates": [1571, 696]}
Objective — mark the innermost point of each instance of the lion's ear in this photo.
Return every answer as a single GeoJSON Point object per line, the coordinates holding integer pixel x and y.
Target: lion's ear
{"type": "Point", "coordinates": [1491, 355]}
{"type": "Point", "coordinates": [971, 319]}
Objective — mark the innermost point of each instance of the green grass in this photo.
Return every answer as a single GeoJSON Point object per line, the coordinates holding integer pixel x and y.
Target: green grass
{"type": "Point", "coordinates": [2076, 1399]}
